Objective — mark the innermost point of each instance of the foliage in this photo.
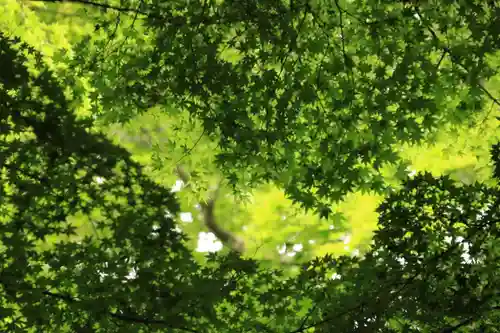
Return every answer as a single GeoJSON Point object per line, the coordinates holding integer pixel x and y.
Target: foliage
{"type": "Point", "coordinates": [265, 218]}
{"type": "Point", "coordinates": [460, 153]}
{"type": "Point", "coordinates": [312, 95]}
{"type": "Point", "coordinates": [159, 140]}
{"type": "Point", "coordinates": [433, 265]}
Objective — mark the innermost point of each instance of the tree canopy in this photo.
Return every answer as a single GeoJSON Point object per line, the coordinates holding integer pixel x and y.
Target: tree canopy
{"type": "Point", "coordinates": [314, 97]}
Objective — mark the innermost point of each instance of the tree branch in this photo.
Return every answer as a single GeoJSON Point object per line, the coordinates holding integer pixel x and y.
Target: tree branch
{"type": "Point", "coordinates": [126, 318]}
{"type": "Point", "coordinates": [234, 242]}
{"type": "Point", "coordinates": [446, 50]}
{"type": "Point", "coordinates": [125, 10]}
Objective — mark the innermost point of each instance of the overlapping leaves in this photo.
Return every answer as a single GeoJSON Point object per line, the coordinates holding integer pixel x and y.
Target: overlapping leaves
{"type": "Point", "coordinates": [416, 278]}
{"type": "Point", "coordinates": [317, 94]}
{"type": "Point", "coordinates": [133, 271]}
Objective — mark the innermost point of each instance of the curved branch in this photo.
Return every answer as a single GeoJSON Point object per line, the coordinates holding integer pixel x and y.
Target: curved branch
{"type": "Point", "coordinates": [234, 242]}
{"type": "Point", "coordinates": [104, 6]}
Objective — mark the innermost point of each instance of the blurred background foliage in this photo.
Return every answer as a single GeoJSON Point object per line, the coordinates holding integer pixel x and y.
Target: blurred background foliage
{"type": "Point", "coordinates": [276, 232]}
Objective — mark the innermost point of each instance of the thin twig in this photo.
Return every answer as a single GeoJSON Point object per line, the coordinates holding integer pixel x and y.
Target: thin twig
{"type": "Point", "coordinates": [342, 37]}
{"type": "Point", "coordinates": [448, 51]}
{"type": "Point", "coordinates": [441, 59]}
{"type": "Point", "coordinates": [190, 149]}
{"type": "Point", "coordinates": [104, 6]}
{"type": "Point", "coordinates": [125, 318]}
{"type": "Point", "coordinates": [306, 317]}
